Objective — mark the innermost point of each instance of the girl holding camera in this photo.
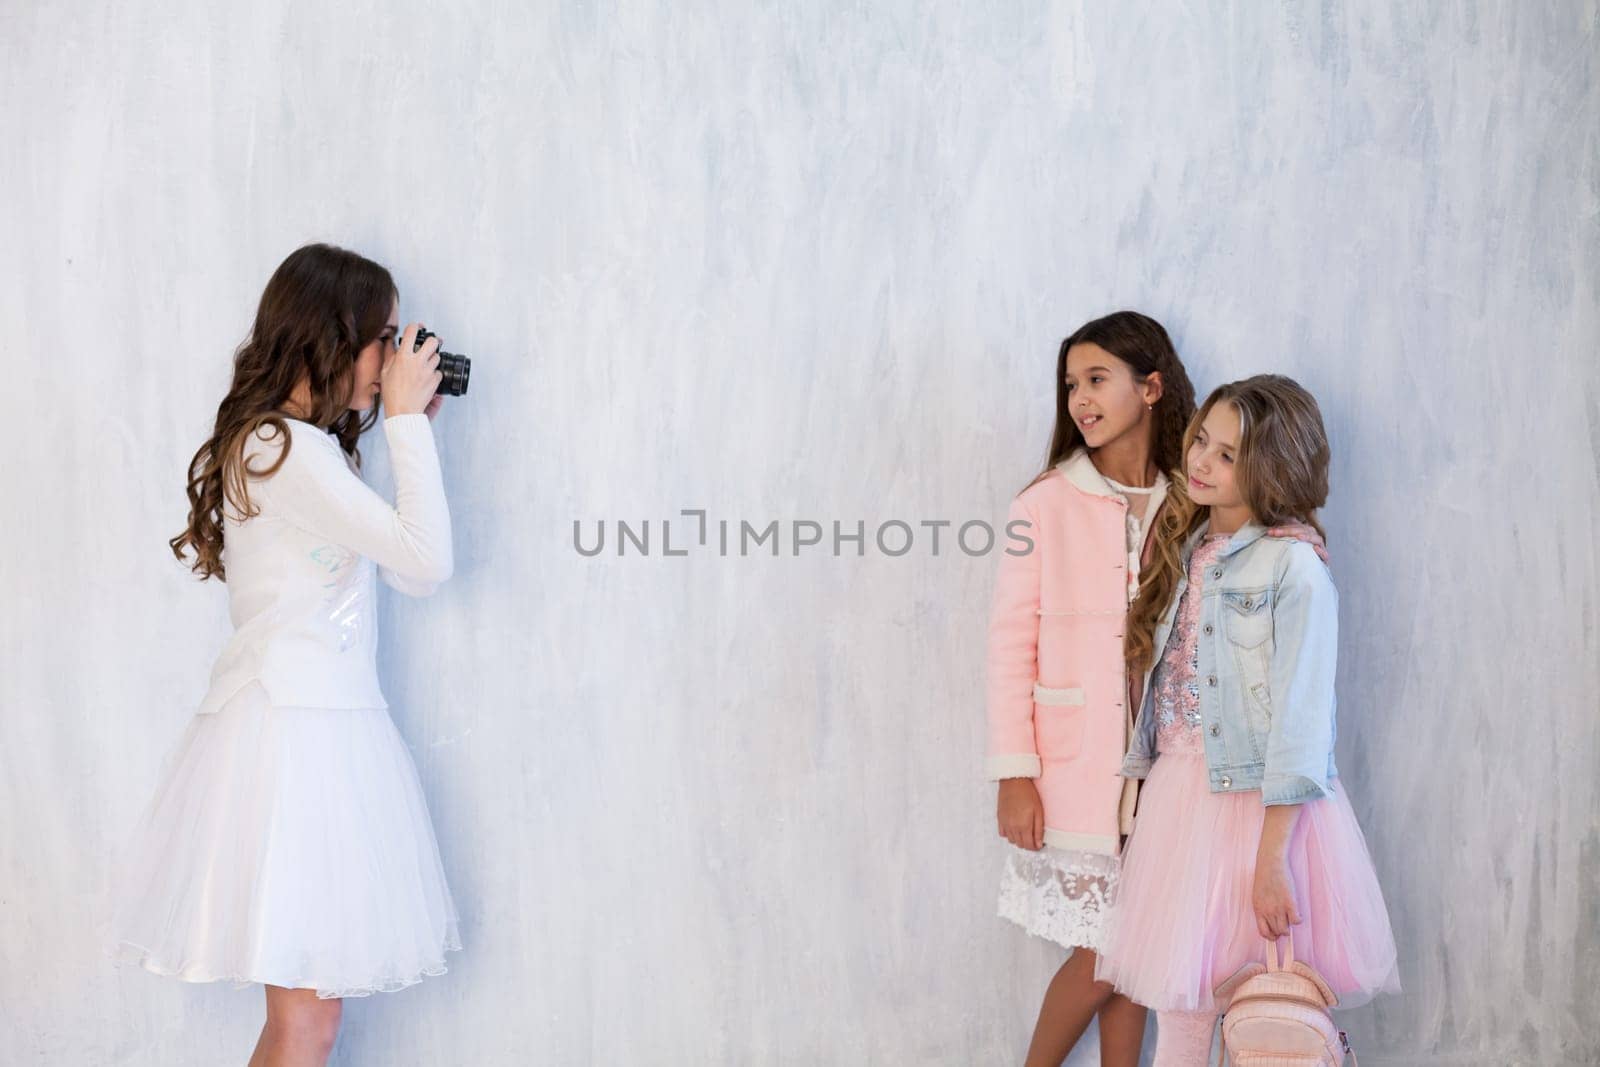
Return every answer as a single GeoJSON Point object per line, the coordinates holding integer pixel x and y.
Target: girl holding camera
{"type": "Point", "coordinates": [288, 842]}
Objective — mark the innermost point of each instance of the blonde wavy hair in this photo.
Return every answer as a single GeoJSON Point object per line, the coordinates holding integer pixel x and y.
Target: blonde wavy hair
{"type": "Point", "coordinates": [1281, 469]}
{"type": "Point", "coordinates": [320, 308]}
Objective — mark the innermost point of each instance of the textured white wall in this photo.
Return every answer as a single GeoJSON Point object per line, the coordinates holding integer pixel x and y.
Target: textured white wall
{"type": "Point", "coordinates": [803, 263]}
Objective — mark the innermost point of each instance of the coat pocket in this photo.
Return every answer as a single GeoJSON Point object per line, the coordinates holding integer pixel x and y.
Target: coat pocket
{"type": "Point", "coordinates": [1058, 720]}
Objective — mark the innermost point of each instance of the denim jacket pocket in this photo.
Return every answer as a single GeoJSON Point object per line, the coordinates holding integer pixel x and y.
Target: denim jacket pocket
{"type": "Point", "coordinates": [1247, 617]}
{"type": "Point", "coordinates": [1247, 621]}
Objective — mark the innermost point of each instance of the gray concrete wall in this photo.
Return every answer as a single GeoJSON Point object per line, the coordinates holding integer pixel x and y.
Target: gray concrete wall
{"type": "Point", "coordinates": [806, 262]}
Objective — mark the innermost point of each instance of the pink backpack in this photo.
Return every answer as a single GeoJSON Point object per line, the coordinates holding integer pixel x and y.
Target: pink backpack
{"type": "Point", "coordinates": [1278, 1016]}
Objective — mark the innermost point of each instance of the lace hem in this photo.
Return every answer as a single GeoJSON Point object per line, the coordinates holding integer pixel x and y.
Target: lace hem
{"type": "Point", "coordinates": [1062, 895]}
{"type": "Point", "coordinates": [125, 952]}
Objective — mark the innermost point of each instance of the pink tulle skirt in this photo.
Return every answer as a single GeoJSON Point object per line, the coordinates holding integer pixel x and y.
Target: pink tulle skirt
{"type": "Point", "coordinates": [1183, 921]}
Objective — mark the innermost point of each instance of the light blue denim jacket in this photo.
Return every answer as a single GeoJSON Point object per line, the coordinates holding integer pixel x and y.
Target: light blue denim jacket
{"type": "Point", "coordinates": [1267, 648]}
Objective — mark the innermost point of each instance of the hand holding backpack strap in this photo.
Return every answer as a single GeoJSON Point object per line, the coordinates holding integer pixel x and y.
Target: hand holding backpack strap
{"type": "Point", "coordinates": [1271, 1009]}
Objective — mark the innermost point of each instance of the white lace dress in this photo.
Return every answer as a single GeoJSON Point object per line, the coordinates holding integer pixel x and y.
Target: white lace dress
{"type": "Point", "coordinates": [1064, 894]}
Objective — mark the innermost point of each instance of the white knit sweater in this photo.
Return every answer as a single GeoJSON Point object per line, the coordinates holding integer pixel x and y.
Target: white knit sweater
{"type": "Point", "coordinates": [300, 573]}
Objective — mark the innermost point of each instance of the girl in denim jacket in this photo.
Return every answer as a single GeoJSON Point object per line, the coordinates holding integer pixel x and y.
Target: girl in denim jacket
{"type": "Point", "coordinates": [1243, 830]}
{"type": "Point", "coordinates": [1058, 702]}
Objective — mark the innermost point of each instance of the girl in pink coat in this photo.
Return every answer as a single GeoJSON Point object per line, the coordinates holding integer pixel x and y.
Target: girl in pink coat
{"type": "Point", "coordinates": [1059, 700]}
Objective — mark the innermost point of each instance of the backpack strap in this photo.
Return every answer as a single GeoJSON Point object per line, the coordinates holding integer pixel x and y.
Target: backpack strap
{"type": "Point", "coordinates": [1288, 964]}
{"type": "Point", "coordinates": [1288, 955]}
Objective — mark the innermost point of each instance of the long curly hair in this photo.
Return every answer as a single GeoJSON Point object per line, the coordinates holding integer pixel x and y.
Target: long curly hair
{"type": "Point", "coordinates": [1142, 343]}
{"type": "Point", "coordinates": [1281, 470]}
{"type": "Point", "coordinates": [320, 308]}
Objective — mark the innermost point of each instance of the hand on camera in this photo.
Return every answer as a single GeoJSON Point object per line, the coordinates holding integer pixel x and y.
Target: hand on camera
{"type": "Point", "coordinates": [410, 379]}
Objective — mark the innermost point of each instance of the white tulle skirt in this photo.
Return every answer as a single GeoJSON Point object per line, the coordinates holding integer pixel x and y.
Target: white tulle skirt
{"type": "Point", "coordinates": [289, 846]}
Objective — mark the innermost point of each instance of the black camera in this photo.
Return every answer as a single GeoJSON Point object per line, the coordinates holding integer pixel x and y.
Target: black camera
{"type": "Point", "coordinates": [454, 369]}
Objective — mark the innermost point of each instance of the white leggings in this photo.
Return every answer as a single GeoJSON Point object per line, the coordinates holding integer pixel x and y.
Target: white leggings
{"type": "Point", "coordinates": [1183, 1038]}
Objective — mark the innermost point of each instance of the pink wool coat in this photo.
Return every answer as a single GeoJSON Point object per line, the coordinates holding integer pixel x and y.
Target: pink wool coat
{"type": "Point", "coordinates": [1058, 690]}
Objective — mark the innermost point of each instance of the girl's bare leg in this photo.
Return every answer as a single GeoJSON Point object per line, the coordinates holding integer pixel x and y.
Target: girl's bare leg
{"type": "Point", "coordinates": [1070, 1002]}
{"type": "Point", "coordinates": [1121, 1031]}
{"type": "Point", "coordinates": [300, 1029]}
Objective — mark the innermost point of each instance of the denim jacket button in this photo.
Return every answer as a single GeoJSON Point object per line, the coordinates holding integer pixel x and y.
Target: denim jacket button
{"type": "Point", "coordinates": [1226, 781]}
{"type": "Point", "coordinates": [1211, 680]}
{"type": "Point", "coordinates": [1208, 628]}
{"type": "Point", "coordinates": [1217, 573]}
{"type": "Point", "coordinates": [1216, 730]}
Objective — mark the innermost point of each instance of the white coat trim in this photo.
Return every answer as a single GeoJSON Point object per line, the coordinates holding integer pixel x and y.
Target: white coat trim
{"type": "Point", "coordinates": [1118, 614]}
{"type": "Point", "coordinates": [1019, 766]}
{"type": "Point", "coordinates": [1081, 472]}
{"type": "Point", "coordinates": [1062, 698]}
{"type": "Point", "coordinates": [1106, 843]}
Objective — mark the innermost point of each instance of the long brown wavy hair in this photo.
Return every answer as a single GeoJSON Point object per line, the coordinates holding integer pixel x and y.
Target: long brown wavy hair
{"type": "Point", "coordinates": [320, 308]}
{"type": "Point", "coordinates": [1281, 469]}
{"type": "Point", "coordinates": [1142, 343]}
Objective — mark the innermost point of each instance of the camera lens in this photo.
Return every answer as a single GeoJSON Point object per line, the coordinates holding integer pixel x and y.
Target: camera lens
{"type": "Point", "coordinates": [454, 370]}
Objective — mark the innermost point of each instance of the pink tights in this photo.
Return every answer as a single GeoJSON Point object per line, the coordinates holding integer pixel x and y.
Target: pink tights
{"type": "Point", "coordinates": [1183, 1038]}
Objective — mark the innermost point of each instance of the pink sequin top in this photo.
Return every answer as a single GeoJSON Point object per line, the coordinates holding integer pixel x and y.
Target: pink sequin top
{"type": "Point", "coordinates": [1175, 683]}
